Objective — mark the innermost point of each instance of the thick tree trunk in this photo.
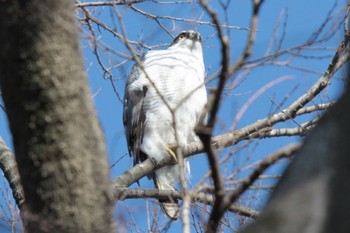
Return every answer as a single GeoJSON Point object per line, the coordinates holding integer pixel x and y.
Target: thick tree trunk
{"type": "Point", "coordinates": [58, 142]}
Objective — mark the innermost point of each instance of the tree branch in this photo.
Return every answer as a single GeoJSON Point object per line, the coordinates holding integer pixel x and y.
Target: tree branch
{"type": "Point", "coordinates": [9, 167]}
{"type": "Point", "coordinates": [257, 129]}
{"type": "Point", "coordinates": [263, 165]}
{"type": "Point", "coordinates": [108, 3]}
{"type": "Point", "coordinates": [126, 193]}
{"type": "Point", "coordinates": [205, 131]}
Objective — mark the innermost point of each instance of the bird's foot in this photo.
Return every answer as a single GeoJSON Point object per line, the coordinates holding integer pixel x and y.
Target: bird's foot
{"type": "Point", "coordinates": [171, 151]}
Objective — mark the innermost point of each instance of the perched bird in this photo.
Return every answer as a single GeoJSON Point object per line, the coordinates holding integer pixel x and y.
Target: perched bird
{"type": "Point", "coordinates": [164, 99]}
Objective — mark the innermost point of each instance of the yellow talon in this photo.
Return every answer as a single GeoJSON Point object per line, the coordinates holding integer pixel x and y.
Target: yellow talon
{"type": "Point", "coordinates": [171, 152]}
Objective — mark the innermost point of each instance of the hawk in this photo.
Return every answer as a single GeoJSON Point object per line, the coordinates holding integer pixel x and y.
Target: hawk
{"type": "Point", "coordinates": [164, 99]}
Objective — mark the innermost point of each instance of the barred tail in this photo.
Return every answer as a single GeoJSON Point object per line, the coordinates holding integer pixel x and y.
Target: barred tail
{"type": "Point", "coordinates": [169, 207]}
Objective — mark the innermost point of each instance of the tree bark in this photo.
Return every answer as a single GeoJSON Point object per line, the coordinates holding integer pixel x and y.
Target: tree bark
{"type": "Point", "coordinates": [9, 167]}
{"type": "Point", "coordinates": [57, 139]}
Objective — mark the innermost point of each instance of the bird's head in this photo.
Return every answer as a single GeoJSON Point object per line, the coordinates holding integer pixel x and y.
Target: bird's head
{"type": "Point", "coordinates": [188, 39]}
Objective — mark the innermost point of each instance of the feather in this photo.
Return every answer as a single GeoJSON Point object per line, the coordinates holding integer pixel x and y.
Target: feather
{"type": "Point", "coordinates": [167, 85]}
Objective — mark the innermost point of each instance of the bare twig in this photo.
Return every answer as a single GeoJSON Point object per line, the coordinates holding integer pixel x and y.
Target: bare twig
{"type": "Point", "coordinates": [152, 16]}
{"type": "Point", "coordinates": [109, 3]}
{"type": "Point", "coordinates": [255, 96]}
{"type": "Point", "coordinates": [107, 74]}
{"type": "Point", "coordinates": [263, 165]}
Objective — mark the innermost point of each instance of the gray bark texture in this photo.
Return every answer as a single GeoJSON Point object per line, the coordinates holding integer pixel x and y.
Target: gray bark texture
{"type": "Point", "coordinates": [313, 195]}
{"type": "Point", "coordinates": [9, 167]}
{"type": "Point", "coordinates": [57, 138]}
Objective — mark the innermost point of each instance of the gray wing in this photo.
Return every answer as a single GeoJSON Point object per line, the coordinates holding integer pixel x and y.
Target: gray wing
{"type": "Point", "coordinates": [134, 116]}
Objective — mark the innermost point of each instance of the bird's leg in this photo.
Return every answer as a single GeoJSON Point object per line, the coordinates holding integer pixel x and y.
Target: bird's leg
{"type": "Point", "coordinates": [171, 151]}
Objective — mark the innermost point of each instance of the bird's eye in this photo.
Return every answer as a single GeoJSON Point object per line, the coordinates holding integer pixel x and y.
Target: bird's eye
{"type": "Point", "coordinates": [181, 36]}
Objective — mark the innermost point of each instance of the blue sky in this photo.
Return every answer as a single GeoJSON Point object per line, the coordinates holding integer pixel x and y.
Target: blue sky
{"type": "Point", "coordinates": [300, 18]}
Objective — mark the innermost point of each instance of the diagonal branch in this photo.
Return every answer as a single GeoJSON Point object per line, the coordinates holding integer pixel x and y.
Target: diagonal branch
{"type": "Point", "coordinates": [249, 180]}
{"type": "Point", "coordinates": [221, 141]}
{"type": "Point", "coordinates": [263, 165]}
{"type": "Point", "coordinates": [9, 167]}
